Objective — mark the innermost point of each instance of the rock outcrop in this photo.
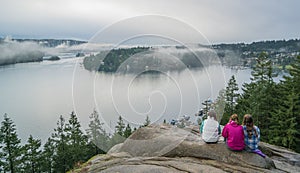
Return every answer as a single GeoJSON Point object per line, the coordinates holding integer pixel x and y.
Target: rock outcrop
{"type": "Point", "coordinates": [164, 148]}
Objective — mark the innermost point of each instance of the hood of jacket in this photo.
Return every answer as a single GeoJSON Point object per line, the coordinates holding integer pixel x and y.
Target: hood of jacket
{"type": "Point", "coordinates": [233, 124]}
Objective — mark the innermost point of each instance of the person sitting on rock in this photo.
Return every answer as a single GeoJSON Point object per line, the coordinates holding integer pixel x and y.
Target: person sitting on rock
{"type": "Point", "coordinates": [252, 135]}
{"type": "Point", "coordinates": [234, 135]}
{"type": "Point", "coordinates": [210, 128]}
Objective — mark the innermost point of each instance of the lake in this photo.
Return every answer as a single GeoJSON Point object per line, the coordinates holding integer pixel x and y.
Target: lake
{"type": "Point", "coordinates": [34, 95]}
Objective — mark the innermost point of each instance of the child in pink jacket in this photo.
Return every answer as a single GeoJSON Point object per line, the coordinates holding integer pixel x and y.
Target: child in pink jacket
{"type": "Point", "coordinates": [234, 134]}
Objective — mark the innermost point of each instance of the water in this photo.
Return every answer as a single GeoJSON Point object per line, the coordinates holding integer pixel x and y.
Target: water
{"type": "Point", "coordinates": [34, 95]}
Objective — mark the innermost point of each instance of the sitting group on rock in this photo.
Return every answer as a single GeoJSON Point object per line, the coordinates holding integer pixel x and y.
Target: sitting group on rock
{"type": "Point", "coordinates": [237, 137]}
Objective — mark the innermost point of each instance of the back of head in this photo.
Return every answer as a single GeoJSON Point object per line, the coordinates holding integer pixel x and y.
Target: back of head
{"type": "Point", "coordinates": [248, 120]}
{"type": "Point", "coordinates": [234, 117]}
{"type": "Point", "coordinates": [212, 114]}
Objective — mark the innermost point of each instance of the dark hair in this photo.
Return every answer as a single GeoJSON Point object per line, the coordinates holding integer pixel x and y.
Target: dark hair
{"type": "Point", "coordinates": [212, 114]}
{"type": "Point", "coordinates": [248, 121]}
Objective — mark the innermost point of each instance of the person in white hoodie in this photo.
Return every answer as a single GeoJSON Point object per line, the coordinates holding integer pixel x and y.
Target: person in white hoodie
{"type": "Point", "coordinates": [210, 128]}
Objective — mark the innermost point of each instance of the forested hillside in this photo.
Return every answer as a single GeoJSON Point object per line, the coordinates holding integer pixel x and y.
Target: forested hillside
{"type": "Point", "coordinates": [275, 107]}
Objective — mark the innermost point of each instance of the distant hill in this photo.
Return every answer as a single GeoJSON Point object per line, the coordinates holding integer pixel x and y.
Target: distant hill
{"type": "Point", "coordinates": [268, 46]}
{"type": "Point", "coordinates": [52, 42]}
{"type": "Point", "coordinates": [281, 52]}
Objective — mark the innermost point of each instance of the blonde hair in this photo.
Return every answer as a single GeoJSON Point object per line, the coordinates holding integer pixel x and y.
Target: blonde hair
{"type": "Point", "coordinates": [234, 117]}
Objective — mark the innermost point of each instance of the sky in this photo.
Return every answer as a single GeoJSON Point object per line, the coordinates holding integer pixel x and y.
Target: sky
{"type": "Point", "coordinates": [215, 21]}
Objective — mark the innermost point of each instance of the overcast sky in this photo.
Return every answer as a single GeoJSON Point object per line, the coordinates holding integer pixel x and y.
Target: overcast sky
{"type": "Point", "coordinates": [217, 20]}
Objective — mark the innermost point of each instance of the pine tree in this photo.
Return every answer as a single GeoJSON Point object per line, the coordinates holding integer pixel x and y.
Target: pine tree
{"type": "Point", "coordinates": [10, 143]}
{"type": "Point", "coordinates": [77, 142]}
{"type": "Point", "coordinates": [59, 138]}
{"type": "Point", "coordinates": [47, 156]}
{"type": "Point", "coordinates": [127, 131]}
{"type": "Point", "coordinates": [207, 106]}
{"type": "Point", "coordinates": [97, 135]}
{"type": "Point", "coordinates": [285, 120]}
{"type": "Point", "coordinates": [258, 97]}
{"type": "Point", "coordinates": [32, 155]}
{"type": "Point", "coordinates": [147, 121]}
{"type": "Point", "coordinates": [231, 95]}
{"type": "Point", "coordinates": [1, 153]}
{"type": "Point", "coordinates": [118, 136]}
{"type": "Point", "coordinates": [219, 107]}
{"type": "Point", "coordinates": [120, 126]}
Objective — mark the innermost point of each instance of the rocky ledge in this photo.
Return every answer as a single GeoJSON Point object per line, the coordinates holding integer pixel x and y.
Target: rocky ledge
{"type": "Point", "coordinates": [165, 148]}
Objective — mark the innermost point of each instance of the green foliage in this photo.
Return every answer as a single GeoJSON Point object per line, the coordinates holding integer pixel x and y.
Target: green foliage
{"type": "Point", "coordinates": [147, 121]}
{"type": "Point", "coordinates": [120, 126]}
{"type": "Point", "coordinates": [231, 95]}
{"type": "Point", "coordinates": [127, 131]}
{"type": "Point", "coordinates": [76, 141]}
{"type": "Point", "coordinates": [10, 146]}
{"type": "Point", "coordinates": [60, 141]}
{"type": "Point", "coordinates": [285, 120]}
{"type": "Point", "coordinates": [119, 135]}
{"type": "Point", "coordinates": [258, 97]}
{"type": "Point", "coordinates": [110, 61]}
{"type": "Point", "coordinates": [31, 159]}
{"type": "Point", "coordinates": [47, 156]}
{"type": "Point", "coordinates": [274, 107]}
{"type": "Point", "coordinates": [207, 105]}
{"type": "Point", "coordinates": [219, 107]}
{"type": "Point", "coordinates": [97, 135]}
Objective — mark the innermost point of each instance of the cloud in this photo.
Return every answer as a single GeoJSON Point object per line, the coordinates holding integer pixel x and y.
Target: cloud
{"type": "Point", "coordinates": [15, 52]}
{"type": "Point", "coordinates": [219, 21]}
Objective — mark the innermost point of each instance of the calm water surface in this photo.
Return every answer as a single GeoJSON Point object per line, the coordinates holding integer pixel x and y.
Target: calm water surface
{"type": "Point", "coordinates": [34, 95]}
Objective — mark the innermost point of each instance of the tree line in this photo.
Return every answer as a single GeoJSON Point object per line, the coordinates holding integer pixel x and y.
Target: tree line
{"type": "Point", "coordinates": [275, 106]}
{"type": "Point", "coordinates": [66, 148]}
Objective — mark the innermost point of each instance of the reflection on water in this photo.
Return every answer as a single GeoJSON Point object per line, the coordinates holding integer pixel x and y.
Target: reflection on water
{"type": "Point", "coordinates": [35, 94]}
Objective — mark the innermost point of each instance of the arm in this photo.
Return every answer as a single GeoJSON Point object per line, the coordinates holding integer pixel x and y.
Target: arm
{"type": "Point", "coordinates": [219, 130]}
{"type": "Point", "coordinates": [258, 134]}
{"type": "Point", "coordinates": [201, 127]}
{"type": "Point", "coordinates": [225, 132]}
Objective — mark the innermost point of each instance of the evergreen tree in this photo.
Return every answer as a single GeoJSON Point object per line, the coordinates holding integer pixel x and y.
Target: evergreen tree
{"type": "Point", "coordinates": [231, 95]}
{"type": "Point", "coordinates": [47, 156]}
{"type": "Point", "coordinates": [1, 153]}
{"type": "Point", "coordinates": [32, 155]}
{"type": "Point", "coordinates": [11, 148]}
{"type": "Point", "coordinates": [118, 136]}
{"type": "Point", "coordinates": [258, 97]}
{"type": "Point", "coordinates": [120, 126]}
{"type": "Point", "coordinates": [76, 140]}
{"type": "Point", "coordinates": [285, 120]}
{"type": "Point", "coordinates": [97, 135]}
{"type": "Point", "coordinates": [147, 121]}
{"type": "Point", "coordinates": [207, 106]}
{"type": "Point", "coordinates": [127, 131]}
{"type": "Point", "coordinates": [219, 107]}
{"type": "Point", "coordinates": [59, 138]}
